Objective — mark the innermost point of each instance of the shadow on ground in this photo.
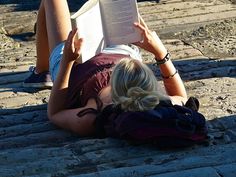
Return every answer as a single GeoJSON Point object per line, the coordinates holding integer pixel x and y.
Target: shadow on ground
{"type": "Point", "coordinates": [190, 70]}
{"type": "Point", "coordinates": [32, 122]}
{"type": "Point", "coordinates": [194, 69]}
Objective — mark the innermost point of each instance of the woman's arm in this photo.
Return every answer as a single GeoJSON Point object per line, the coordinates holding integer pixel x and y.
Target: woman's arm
{"type": "Point", "coordinates": [69, 120]}
{"type": "Point", "coordinates": [59, 90]}
{"type": "Point", "coordinates": [173, 83]}
{"type": "Point", "coordinates": [57, 112]}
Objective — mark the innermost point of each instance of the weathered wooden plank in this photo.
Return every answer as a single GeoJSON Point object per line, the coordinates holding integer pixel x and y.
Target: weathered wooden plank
{"type": "Point", "coordinates": [24, 99]}
{"type": "Point", "coordinates": [54, 166]}
{"type": "Point", "coordinates": [197, 13]}
{"type": "Point", "coordinates": [217, 124]}
{"type": "Point", "coordinates": [207, 158]}
{"type": "Point", "coordinates": [158, 163]}
{"type": "Point", "coordinates": [12, 58]}
{"type": "Point", "coordinates": [201, 68]}
{"type": "Point", "coordinates": [179, 21]}
{"type": "Point", "coordinates": [20, 92]}
{"type": "Point", "coordinates": [193, 65]}
{"type": "Point", "coordinates": [15, 69]}
{"type": "Point", "coordinates": [214, 72]}
{"type": "Point", "coordinates": [23, 109]}
{"type": "Point", "coordinates": [16, 53]}
{"type": "Point", "coordinates": [23, 118]}
{"type": "Point", "coordinates": [183, 5]}
{"type": "Point", "coordinates": [185, 9]}
{"type": "Point", "coordinates": [17, 156]}
{"type": "Point", "coordinates": [216, 95]}
{"type": "Point", "coordinates": [203, 172]}
{"type": "Point", "coordinates": [26, 129]}
{"type": "Point", "coordinates": [228, 170]}
{"type": "Point", "coordinates": [11, 17]}
{"type": "Point", "coordinates": [13, 78]}
{"type": "Point", "coordinates": [152, 3]}
{"type": "Point", "coordinates": [13, 22]}
{"type": "Point", "coordinates": [88, 145]}
{"type": "Point", "coordinates": [136, 156]}
{"type": "Point", "coordinates": [189, 65]}
{"type": "Point", "coordinates": [7, 8]}
{"type": "Point", "coordinates": [19, 101]}
{"type": "Point", "coordinates": [54, 137]}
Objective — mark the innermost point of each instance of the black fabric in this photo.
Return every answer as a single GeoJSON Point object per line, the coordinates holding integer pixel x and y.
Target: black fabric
{"type": "Point", "coordinates": [167, 125]}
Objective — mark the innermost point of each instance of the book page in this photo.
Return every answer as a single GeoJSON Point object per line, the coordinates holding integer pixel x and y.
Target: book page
{"type": "Point", "coordinates": [90, 28]}
{"type": "Point", "coordinates": [118, 18]}
{"type": "Point", "coordinates": [88, 5]}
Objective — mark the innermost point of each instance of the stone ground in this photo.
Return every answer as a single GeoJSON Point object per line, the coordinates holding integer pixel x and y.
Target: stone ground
{"type": "Point", "coordinates": [200, 34]}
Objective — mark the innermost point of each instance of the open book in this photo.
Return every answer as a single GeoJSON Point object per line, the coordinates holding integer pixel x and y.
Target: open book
{"type": "Point", "coordinates": [106, 22]}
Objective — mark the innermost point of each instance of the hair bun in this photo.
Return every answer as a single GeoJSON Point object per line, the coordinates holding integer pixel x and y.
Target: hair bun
{"type": "Point", "coordinates": [138, 100]}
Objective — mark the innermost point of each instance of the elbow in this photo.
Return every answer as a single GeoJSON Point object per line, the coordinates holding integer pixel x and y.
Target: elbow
{"type": "Point", "coordinates": [50, 114]}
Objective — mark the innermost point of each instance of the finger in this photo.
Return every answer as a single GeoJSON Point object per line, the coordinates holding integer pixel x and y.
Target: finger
{"type": "Point", "coordinates": [73, 38]}
{"type": "Point", "coordinates": [78, 45]}
{"type": "Point", "coordinates": [68, 40]}
{"type": "Point", "coordinates": [140, 27]}
{"type": "Point", "coordinates": [74, 34]}
{"type": "Point", "coordinates": [144, 31]}
{"type": "Point", "coordinates": [142, 22]}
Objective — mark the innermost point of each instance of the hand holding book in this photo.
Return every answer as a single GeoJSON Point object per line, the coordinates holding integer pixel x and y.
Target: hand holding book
{"type": "Point", "coordinates": [150, 42]}
{"type": "Point", "coordinates": [106, 22]}
{"type": "Point", "coordinates": [73, 46]}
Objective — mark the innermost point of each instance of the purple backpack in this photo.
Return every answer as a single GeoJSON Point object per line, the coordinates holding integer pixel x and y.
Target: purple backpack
{"type": "Point", "coordinates": [166, 126]}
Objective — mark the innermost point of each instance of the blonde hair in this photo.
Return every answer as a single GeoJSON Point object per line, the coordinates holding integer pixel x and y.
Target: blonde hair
{"type": "Point", "coordinates": [134, 86]}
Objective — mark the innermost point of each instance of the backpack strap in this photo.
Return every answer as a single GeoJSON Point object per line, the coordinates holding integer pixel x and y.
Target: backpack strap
{"type": "Point", "coordinates": [104, 121]}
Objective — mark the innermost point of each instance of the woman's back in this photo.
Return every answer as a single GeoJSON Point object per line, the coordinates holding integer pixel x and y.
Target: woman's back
{"type": "Point", "coordinates": [87, 80]}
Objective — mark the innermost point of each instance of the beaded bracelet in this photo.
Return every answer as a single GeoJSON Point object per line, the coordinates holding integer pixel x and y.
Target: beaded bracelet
{"type": "Point", "coordinates": [170, 76]}
{"type": "Point", "coordinates": [164, 60]}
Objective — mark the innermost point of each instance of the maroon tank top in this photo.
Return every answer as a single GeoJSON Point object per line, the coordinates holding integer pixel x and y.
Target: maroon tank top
{"type": "Point", "coordinates": [89, 78]}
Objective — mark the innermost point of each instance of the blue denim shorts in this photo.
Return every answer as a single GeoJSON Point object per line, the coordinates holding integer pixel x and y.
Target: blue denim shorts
{"type": "Point", "coordinates": [57, 53]}
{"type": "Point", "coordinates": [55, 59]}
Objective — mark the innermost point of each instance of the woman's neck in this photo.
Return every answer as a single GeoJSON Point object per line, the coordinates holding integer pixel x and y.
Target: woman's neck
{"type": "Point", "coordinates": [105, 96]}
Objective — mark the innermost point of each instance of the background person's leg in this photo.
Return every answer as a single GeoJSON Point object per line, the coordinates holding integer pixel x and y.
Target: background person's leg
{"type": "Point", "coordinates": [42, 48]}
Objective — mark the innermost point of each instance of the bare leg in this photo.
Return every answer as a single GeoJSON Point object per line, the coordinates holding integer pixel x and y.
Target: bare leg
{"type": "Point", "coordinates": [53, 27]}
{"type": "Point", "coordinates": [42, 48]}
{"type": "Point", "coordinates": [57, 21]}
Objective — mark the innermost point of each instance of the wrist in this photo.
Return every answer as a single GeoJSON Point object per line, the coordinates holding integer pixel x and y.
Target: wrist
{"type": "Point", "coordinates": [163, 60]}
{"type": "Point", "coordinates": [65, 61]}
{"type": "Point", "coordinates": [160, 55]}
{"type": "Point", "coordinates": [159, 49]}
